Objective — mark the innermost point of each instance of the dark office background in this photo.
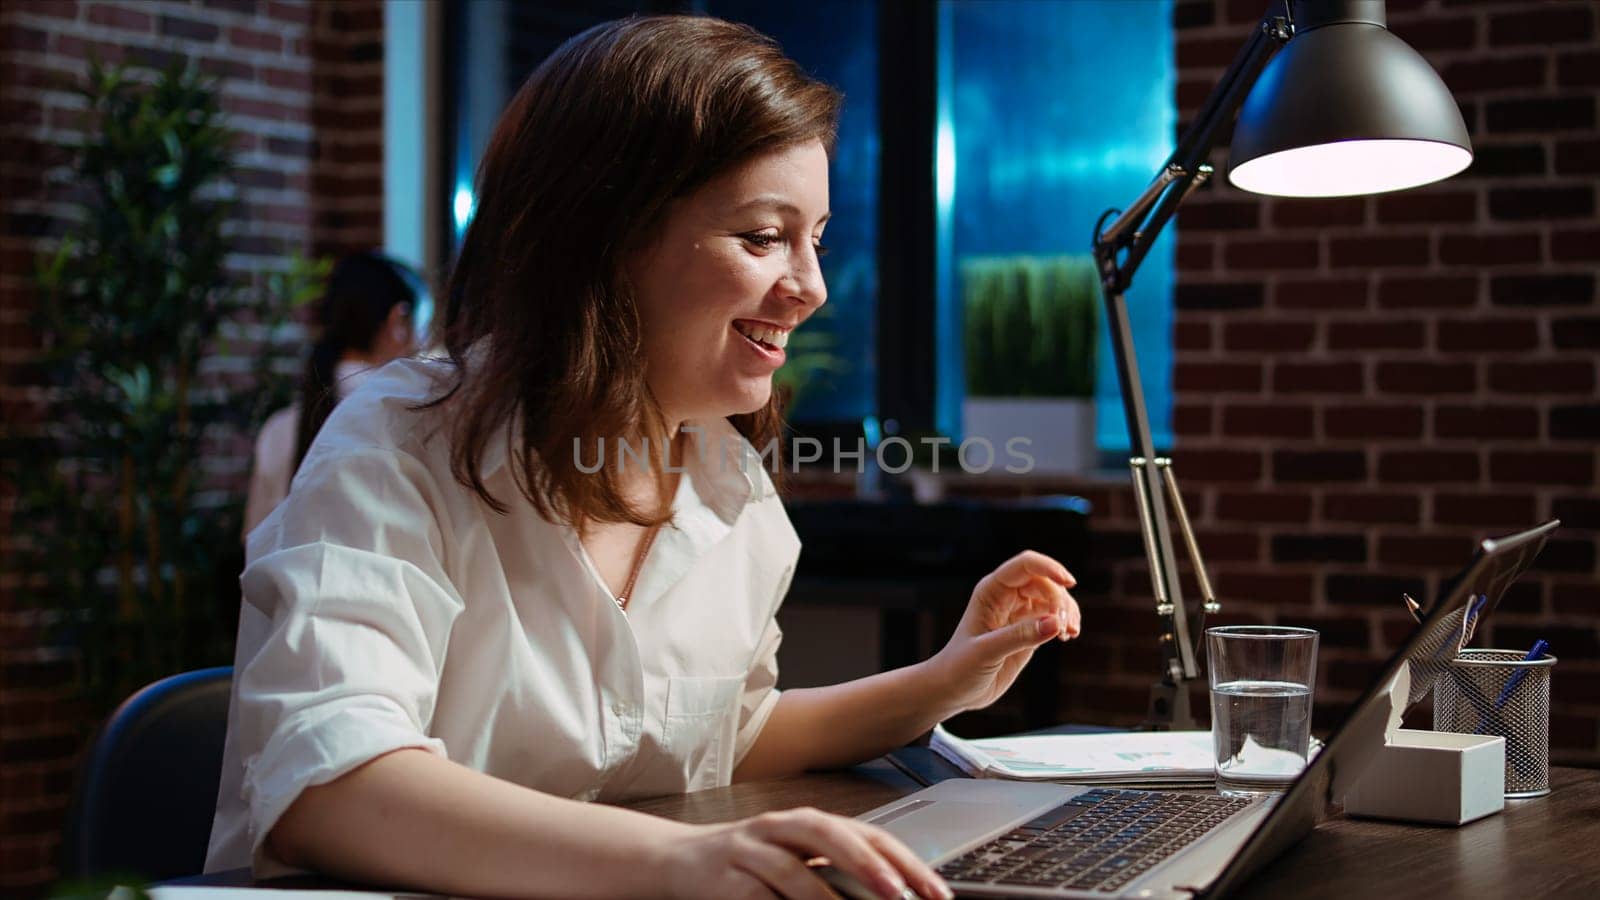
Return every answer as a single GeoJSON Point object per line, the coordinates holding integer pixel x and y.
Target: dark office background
{"type": "Point", "coordinates": [1361, 387]}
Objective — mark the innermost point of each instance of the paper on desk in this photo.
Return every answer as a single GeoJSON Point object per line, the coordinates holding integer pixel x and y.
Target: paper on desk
{"type": "Point", "coordinates": [1146, 757]}
{"type": "Point", "coordinates": [1271, 762]}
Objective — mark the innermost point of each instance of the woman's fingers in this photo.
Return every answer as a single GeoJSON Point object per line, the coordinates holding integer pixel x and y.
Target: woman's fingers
{"type": "Point", "coordinates": [811, 833]}
{"type": "Point", "coordinates": [923, 879]}
{"type": "Point", "coordinates": [1047, 596]}
{"type": "Point", "coordinates": [779, 869]}
{"type": "Point", "coordinates": [1016, 571]}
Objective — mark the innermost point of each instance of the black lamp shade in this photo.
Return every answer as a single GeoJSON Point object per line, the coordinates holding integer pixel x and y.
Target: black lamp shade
{"type": "Point", "coordinates": [1347, 108]}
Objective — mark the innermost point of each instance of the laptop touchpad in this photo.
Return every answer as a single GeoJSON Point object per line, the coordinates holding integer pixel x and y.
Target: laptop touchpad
{"type": "Point", "coordinates": [933, 828]}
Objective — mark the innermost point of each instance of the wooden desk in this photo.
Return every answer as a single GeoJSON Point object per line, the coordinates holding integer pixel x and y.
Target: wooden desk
{"type": "Point", "coordinates": [1548, 847]}
{"type": "Point", "coordinates": [1544, 848]}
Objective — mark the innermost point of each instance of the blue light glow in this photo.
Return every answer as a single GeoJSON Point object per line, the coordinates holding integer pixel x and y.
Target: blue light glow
{"type": "Point", "coordinates": [946, 161]}
{"type": "Point", "coordinates": [465, 205]}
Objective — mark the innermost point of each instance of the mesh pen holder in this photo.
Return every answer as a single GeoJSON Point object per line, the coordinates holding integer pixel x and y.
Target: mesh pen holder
{"type": "Point", "coordinates": [1498, 692]}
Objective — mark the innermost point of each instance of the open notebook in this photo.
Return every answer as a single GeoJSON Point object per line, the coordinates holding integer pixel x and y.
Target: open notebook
{"type": "Point", "coordinates": [1144, 758]}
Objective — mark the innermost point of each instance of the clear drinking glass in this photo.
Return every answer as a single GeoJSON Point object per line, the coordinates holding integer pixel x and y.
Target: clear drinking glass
{"type": "Point", "coordinates": [1261, 681]}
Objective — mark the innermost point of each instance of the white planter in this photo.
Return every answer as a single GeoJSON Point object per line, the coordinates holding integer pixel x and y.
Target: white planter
{"type": "Point", "coordinates": [1059, 430]}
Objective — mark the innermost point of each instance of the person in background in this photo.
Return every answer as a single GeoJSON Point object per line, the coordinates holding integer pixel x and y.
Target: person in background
{"type": "Point", "coordinates": [363, 320]}
{"type": "Point", "coordinates": [457, 633]}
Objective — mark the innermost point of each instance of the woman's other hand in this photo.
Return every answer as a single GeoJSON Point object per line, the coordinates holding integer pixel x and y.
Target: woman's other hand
{"type": "Point", "coordinates": [1013, 610]}
{"type": "Point", "coordinates": [765, 856]}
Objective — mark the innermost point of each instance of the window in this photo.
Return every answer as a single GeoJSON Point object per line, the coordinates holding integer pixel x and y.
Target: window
{"type": "Point", "coordinates": [970, 128]}
{"type": "Point", "coordinates": [836, 41]}
{"type": "Point", "coordinates": [1049, 114]}
{"type": "Point", "coordinates": [1005, 127]}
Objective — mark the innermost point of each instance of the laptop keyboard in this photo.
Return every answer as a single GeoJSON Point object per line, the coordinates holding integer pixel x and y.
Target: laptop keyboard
{"type": "Point", "coordinates": [1097, 841]}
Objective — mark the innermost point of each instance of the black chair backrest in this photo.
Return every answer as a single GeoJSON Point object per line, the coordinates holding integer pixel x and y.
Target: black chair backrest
{"type": "Point", "coordinates": [148, 788]}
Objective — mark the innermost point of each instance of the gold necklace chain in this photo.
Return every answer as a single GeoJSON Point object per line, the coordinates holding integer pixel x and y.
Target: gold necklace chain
{"type": "Point", "coordinates": [638, 563]}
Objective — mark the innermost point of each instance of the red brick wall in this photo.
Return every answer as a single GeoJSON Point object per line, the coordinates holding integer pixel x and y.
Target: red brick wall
{"type": "Point", "coordinates": [1365, 386]}
{"type": "Point", "coordinates": [302, 83]}
{"type": "Point", "coordinates": [347, 118]}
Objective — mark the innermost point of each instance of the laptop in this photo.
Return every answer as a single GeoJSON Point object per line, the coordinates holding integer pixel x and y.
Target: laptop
{"type": "Point", "coordinates": [993, 838]}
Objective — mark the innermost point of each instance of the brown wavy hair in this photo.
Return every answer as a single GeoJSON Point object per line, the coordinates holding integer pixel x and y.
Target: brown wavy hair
{"type": "Point", "coordinates": [606, 133]}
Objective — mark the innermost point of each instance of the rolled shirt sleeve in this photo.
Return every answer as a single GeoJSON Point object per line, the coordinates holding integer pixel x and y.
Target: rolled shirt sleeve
{"type": "Point", "coordinates": [358, 616]}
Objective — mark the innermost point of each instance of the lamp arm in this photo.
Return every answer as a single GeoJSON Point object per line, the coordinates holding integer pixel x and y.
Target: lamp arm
{"type": "Point", "coordinates": [1134, 232]}
{"type": "Point", "coordinates": [1118, 251]}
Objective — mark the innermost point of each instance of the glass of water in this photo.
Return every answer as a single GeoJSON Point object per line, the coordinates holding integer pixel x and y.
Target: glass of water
{"type": "Point", "coordinates": [1261, 680]}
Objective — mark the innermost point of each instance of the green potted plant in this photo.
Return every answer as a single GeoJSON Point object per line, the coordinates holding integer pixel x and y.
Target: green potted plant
{"type": "Point", "coordinates": [1031, 331]}
{"type": "Point", "coordinates": [127, 535]}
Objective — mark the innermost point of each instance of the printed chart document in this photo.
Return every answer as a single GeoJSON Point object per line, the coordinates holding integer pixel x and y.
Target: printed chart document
{"type": "Point", "coordinates": [1128, 758]}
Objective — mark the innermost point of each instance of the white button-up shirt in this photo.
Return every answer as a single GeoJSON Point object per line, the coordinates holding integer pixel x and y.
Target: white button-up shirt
{"type": "Point", "coordinates": [386, 606]}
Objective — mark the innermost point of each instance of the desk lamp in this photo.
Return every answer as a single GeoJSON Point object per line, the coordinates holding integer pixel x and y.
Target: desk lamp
{"type": "Point", "coordinates": [1345, 108]}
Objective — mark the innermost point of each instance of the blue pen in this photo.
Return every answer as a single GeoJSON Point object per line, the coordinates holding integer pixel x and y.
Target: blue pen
{"type": "Point", "coordinates": [1538, 651]}
{"type": "Point", "coordinates": [1540, 647]}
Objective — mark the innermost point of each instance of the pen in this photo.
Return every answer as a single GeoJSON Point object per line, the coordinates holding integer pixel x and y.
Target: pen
{"type": "Point", "coordinates": [1539, 648]}
{"type": "Point", "coordinates": [1414, 607]}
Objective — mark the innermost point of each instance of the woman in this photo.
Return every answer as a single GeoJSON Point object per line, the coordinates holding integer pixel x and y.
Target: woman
{"type": "Point", "coordinates": [362, 321]}
{"type": "Point", "coordinates": [461, 626]}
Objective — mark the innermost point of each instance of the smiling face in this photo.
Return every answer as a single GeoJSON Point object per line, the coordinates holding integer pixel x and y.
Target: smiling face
{"type": "Point", "coordinates": [733, 269]}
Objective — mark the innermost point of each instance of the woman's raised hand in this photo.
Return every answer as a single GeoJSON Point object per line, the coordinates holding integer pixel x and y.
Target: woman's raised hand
{"type": "Point", "coordinates": [765, 856]}
{"type": "Point", "coordinates": [1013, 610]}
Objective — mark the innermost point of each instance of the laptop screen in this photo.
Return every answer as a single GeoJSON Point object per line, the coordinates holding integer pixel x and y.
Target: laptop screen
{"type": "Point", "coordinates": [1469, 597]}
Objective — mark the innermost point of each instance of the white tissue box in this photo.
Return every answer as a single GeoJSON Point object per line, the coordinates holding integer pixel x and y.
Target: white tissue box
{"type": "Point", "coordinates": [1432, 776]}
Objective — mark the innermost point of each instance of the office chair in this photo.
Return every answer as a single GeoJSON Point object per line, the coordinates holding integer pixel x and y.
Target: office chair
{"type": "Point", "coordinates": [147, 790]}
